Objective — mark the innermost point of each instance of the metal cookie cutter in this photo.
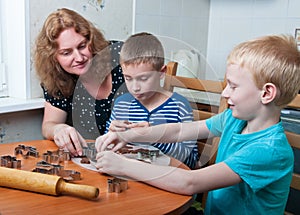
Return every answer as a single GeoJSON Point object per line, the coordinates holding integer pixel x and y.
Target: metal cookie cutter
{"type": "Point", "coordinates": [70, 175]}
{"type": "Point", "coordinates": [55, 157]}
{"type": "Point", "coordinates": [56, 169]}
{"type": "Point", "coordinates": [142, 154]}
{"type": "Point", "coordinates": [116, 185]}
{"type": "Point", "coordinates": [90, 151]}
{"type": "Point", "coordinates": [145, 154]}
{"type": "Point", "coordinates": [26, 151]}
{"type": "Point", "coordinates": [10, 162]}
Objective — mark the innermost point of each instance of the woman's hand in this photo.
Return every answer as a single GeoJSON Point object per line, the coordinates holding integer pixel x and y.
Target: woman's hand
{"type": "Point", "coordinates": [67, 137]}
{"type": "Point", "coordinates": [121, 125]}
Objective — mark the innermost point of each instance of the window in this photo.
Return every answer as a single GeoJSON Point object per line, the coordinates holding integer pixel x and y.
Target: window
{"type": "Point", "coordinates": [14, 53]}
{"type": "Point", "coordinates": [20, 20]}
{"type": "Point", "coordinates": [15, 75]}
{"type": "Point", "coordinates": [3, 86]}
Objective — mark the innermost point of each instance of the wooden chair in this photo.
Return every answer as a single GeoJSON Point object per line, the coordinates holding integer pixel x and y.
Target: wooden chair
{"type": "Point", "coordinates": [207, 88]}
{"type": "Point", "coordinates": [294, 140]}
{"type": "Point", "coordinates": [193, 89]}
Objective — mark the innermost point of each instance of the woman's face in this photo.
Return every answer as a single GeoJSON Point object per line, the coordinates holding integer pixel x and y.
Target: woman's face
{"type": "Point", "coordinates": [73, 53]}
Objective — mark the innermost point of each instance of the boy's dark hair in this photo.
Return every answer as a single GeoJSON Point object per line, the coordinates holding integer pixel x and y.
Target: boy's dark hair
{"type": "Point", "coordinates": [142, 48]}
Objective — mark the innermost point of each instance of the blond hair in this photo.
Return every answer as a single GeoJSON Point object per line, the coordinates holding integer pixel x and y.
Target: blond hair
{"type": "Point", "coordinates": [271, 59]}
{"type": "Point", "coordinates": [142, 48]}
{"type": "Point", "coordinates": [51, 74]}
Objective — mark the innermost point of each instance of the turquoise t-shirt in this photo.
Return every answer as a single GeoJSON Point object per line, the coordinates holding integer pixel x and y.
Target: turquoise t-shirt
{"type": "Point", "coordinates": [264, 161]}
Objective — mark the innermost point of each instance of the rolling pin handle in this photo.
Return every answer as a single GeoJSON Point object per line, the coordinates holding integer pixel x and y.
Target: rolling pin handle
{"type": "Point", "coordinates": [83, 191]}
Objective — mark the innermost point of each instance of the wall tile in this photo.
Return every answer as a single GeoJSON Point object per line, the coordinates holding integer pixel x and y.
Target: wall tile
{"type": "Point", "coordinates": [293, 8]}
{"type": "Point", "coordinates": [228, 26]}
{"type": "Point", "coordinates": [291, 25]}
{"type": "Point", "coordinates": [146, 7]}
{"type": "Point", "coordinates": [171, 8]}
{"type": "Point", "coordinates": [147, 23]}
{"type": "Point", "coordinates": [195, 8]}
{"type": "Point", "coordinates": [270, 8]}
{"type": "Point", "coordinates": [195, 31]}
{"type": "Point", "coordinates": [264, 26]}
{"type": "Point", "coordinates": [216, 65]}
{"type": "Point", "coordinates": [232, 8]}
{"type": "Point", "coordinates": [170, 26]}
{"type": "Point", "coordinates": [182, 20]}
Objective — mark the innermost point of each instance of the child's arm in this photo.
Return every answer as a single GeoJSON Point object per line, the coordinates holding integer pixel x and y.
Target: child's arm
{"type": "Point", "coordinates": [168, 178]}
{"type": "Point", "coordinates": [121, 125]}
{"type": "Point", "coordinates": [164, 133]}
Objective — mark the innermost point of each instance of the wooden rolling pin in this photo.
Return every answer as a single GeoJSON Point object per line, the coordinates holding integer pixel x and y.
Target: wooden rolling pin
{"type": "Point", "coordinates": [43, 183]}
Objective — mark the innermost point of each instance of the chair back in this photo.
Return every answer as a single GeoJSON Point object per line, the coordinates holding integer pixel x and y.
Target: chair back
{"type": "Point", "coordinates": [206, 101]}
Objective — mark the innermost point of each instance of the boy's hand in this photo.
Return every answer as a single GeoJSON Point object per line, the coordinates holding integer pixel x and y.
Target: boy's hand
{"type": "Point", "coordinates": [110, 162]}
{"type": "Point", "coordinates": [139, 125]}
{"type": "Point", "coordinates": [121, 125]}
{"type": "Point", "coordinates": [107, 140]}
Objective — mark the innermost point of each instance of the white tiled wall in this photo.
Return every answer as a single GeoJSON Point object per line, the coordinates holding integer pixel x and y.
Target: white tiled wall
{"type": "Point", "coordinates": [233, 21]}
{"type": "Point", "coordinates": [183, 20]}
{"type": "Point", "coordinates": [230, 22]}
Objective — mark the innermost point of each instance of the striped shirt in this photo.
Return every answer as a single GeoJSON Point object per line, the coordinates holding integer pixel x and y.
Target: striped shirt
{"type": "Point", "coordinates": [175, 110]}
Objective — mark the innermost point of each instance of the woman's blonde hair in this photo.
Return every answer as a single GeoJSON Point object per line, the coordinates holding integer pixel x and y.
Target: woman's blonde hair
{"type": "Point", "coordinates": [52, 75]}
{"type": "Point", "coordinates": [271, 59]}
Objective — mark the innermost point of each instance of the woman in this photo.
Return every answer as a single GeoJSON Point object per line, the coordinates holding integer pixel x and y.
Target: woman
{"type": "Point", "coordinates": [80, 76]}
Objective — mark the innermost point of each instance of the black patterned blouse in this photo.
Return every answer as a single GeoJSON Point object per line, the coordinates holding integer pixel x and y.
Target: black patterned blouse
{"type": "Point", "coordinates": [87, 115]}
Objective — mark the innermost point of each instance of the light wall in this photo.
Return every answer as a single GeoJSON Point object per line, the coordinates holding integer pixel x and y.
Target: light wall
{"type": "Point", "coordinates": [183, 22]}
{"type": "Point", "coordinates": [186, 20]}
{"type": "Point", "coordinates": [21, 126]}
{"type": "Point", "coordinates": [211, 26]}
{"type": "Point", "coordinates": [232, 22]}
{"type": "Point", "coordinates": [214, 27]}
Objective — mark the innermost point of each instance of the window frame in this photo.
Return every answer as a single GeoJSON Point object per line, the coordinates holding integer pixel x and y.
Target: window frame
{"type": "Point", "coordinates": [16, 57]}
{"type": "Point", "coordinates": [15, 47]}
{"type": "Point", "coordinates": [3, 86]}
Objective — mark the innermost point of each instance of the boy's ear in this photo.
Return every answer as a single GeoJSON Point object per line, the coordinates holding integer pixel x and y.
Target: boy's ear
{"type": "Point", "coordinates": [269, 92]}
{"type": "Point", "coordinates": [163, 69]}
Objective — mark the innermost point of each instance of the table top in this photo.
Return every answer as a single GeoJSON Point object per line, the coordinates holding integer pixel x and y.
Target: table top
{"type": "Point", "coordinates": [139, 198]}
